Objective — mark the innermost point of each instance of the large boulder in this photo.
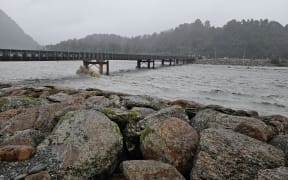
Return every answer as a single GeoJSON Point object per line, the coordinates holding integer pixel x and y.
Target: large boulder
{"type": "Point", "coordinates": [224, 154]}
{"type": "Point", "coordinates": [149, 169]}
{"type": "Point", "coordinates": [30, 137]}
{"type": "Point", "coordinates": [172, 141]}
{"type": "Point", "coordinates": [16, 152]}
{"type": "Point", "coordinates": [42, 118]}
{"type": "Point", "coordinates": [281, 142]}
{"type": "Point", "coordinates": [249, 126]}
{"type": "Point", "coordinates": [17, 102]}
{"type": "Point", "coordinates": [43, 175]}
{"type": "Point", "coordinates": [163, 114]}
{"type": "Point", "coordinates": [143, 101]}
{"type": "Point", "coordinates": [278, 123]}
{"type": "Point", "coordinates": [88, 144]}
{"type": "Point", "coordinates": [280, 173]}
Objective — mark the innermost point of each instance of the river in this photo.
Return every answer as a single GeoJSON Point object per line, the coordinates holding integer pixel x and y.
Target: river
{"type": "Point", "coordinates": [264, 89]}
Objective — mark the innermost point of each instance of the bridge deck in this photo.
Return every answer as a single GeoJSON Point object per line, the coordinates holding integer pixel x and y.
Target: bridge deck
{"type": "Point", "coordinates": [32, 55]}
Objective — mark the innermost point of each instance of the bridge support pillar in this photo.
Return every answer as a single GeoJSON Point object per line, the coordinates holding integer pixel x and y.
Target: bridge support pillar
{"type": "Point", "coordinates": [138, 64]}
{"type": "Point", "coordinates": [100, 63]}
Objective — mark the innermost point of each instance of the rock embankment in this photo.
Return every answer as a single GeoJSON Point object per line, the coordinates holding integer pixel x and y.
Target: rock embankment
{"type": "Point", "coordinates": [55, 133]}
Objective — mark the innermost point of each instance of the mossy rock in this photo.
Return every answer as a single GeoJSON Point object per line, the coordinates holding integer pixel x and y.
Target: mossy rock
{"type": "Point", "coordinates": [121, 117]}
{"type": "Point", "coordinates": [17, 102]}
{"type": "Point", "coordinates": [145, 133]}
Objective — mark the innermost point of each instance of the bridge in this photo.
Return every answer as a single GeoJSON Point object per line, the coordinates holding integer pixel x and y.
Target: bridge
{"type": "Point", "coordinates": [91, 58]}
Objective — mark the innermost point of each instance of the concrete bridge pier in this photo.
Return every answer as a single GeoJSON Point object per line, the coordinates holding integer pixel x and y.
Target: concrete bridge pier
{"type": "Point", "coordinates": [149, 62]}
{"type": "Point", "coordinates": [100, 63]}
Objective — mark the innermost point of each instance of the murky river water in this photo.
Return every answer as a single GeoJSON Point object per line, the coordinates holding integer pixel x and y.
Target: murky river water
{"type": "Point", "coordinates": [264, 89]}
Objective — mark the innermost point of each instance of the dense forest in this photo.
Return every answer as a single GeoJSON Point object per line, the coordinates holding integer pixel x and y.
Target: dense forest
{"type": "Point", "coordinates": [246, 38]}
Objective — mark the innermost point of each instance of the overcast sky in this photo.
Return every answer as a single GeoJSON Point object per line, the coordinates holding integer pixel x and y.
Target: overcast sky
{"type": "Point", "coordinates": [51, 21]}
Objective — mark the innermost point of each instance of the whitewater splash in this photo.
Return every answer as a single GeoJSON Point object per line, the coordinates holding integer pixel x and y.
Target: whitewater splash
{"type": "Point", "coordinates": [90, 71]}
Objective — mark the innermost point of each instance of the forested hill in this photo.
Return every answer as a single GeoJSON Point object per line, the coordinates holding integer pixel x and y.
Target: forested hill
{"type": "Point", "coordinates": [246, 38]}
{"type": "Point", "coordinates": [12, 36]}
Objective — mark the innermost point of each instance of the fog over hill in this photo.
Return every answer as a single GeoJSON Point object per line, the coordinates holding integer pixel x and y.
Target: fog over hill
{"type": "Point", "coordinates": [247, 38]}
{"type": "Point", "coordinates": [12, 36]}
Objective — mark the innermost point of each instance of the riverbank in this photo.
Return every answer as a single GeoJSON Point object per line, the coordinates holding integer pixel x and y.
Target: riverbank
{"type": "Point", "coordinates": [49, 132]}
{"type": "Point", "coordinates": [235, 62]}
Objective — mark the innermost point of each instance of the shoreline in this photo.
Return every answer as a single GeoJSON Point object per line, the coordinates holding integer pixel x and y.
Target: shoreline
{"type": "Point", "coordinates": [67, 133]}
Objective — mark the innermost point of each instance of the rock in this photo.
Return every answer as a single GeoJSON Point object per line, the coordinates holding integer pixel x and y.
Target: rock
{"type": "Point", "coordinates": [115, 101]}
{"type": "Point", "coordinates": [133, 128]}
{"type": "Point", "coordinates": [4, 116]}
{"type": "Point", "coordinates": [38, 168]}
{"type": "Point", "coordinates": [149, 169]}
{"type": "Point", "coordinates": [186, 104]}
{"type": "Point", "coordinates": [120, 116]}
{"type": "Point", "coordinates": [44, 175]}
{"type": "Point", "coordinates": [27, 137]}
{"type": "Point", "coordinates": [163, 114]}
{"type": "Point", "coordinates": [246, 125]}
{"type": "Point", "coordinates": [255, 130]}
{"type": "Point", "coordinates": [20, 177]}
{"type": "Point", "coordinates": [231, 111]}
{"type": "Point", "coordinates": [88, 144]}
{"type": "Point", "coordinates": [277, 122]}
{"type": "Point", "coordinates": [42, 118]}
{"type": "Point", "coordinates": [97, 102]}
{"type": "Point", "coordinates": [2, 86]}
{"type": "Point", "coordinates": [281, 142]}
{"type": "Point", "coordinates": [143, 112]}
{"type": "Point", "coordinates": [17, 102]}
{"type": "Point", "coordinates": [143, 101]}
{"type": "Point", "coordinates": [16, 152]}
{"type": "Point", "coordinates": [59, 97]}
{"type": "Point", "coordinates": [171, 141]}
{"type": "Point", "coordinates": [280, 173]}
{"type": "Point", "coordinates": [224, 154]}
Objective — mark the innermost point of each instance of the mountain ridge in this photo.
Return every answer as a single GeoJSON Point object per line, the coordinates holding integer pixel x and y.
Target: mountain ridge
{"type": "Point", "coordinates": [12, 36]}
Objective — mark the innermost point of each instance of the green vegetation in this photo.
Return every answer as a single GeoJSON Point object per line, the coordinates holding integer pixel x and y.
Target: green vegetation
{"type": "Point", "coordinates": [145, 133]}
{"type": "Point", "coordinates": [239, 39]}
{"type": "Point", "coordinates": [107, 111]}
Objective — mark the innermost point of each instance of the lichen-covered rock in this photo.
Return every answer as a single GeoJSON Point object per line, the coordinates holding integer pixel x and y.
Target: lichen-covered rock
{"type": "Point", "coordinates": [88, 144]}
{"type": "Point", "coordinates": [249, 126]}
{"type": "Point", "coordinates": [186, 104]}
{"type": "Point", "coordinates": [281, 142]}
{"type": "Point", "coordinates": [232, 111]}
{"type": "Point", "coordinates": [171, 141]}
{"type": "Point", "coordinates": [224, 154]}
{"type": "Point", "coordinates": [42, 118]}
{"type": "Point", "coordinates": [278, 123]}
{"type": "Point", "coordinates": [149, 169]}
{"type": "Point", "coordinates": [255, 130]}
{"type": "Point", "coordinates": [16, 152]}
{"type": "Point", "coordinates": [17, 102]}
{"type": "Point", "coordinates": [280, 173]}
{"type": "Point", "coordinates": [133, 128]}
{"type": "Point", "coordinates": [163, 114]}
{"type": "Point", "coordinates": [120, 116]}
{"type": "Point", "coordinates": [143, 101]}
{"type": "Point", "coordinates": [143, 112]}
{"type": "Point", "coordinates": [27, 137]}
{"type": "Point", "coordinates": [97, 102]}
{"type": "Point", "coordinates": [59, 97]}
{"type": "Point", "coordinates": [43, 175]}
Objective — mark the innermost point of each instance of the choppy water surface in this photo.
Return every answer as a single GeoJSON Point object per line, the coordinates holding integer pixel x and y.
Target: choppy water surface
{"type": "Point", "coordinates": [264, 89]}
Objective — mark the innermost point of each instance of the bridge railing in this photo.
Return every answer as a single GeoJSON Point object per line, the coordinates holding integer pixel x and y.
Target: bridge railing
{"type": "Point", "coordinates": [34, 55]}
